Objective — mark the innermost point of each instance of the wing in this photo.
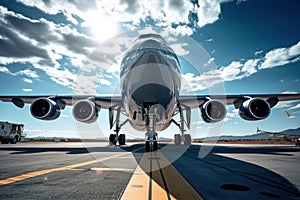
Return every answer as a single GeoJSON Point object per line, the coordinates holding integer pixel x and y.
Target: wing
{"type": "Point", "coordinates": [85, 108]}
{"type": "Point", "coordinates": [197, 101]}
{"type": "Point", "coordinates": [105, 102]}
{"type": "Point", "coordinates": [251, 106]}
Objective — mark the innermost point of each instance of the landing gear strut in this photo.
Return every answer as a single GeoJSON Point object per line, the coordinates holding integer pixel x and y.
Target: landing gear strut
{"type": "Point", "coordinates": [178, 138]}
{"type": "Point", "coordinates": [150, 113]}
{"type": "Point", "coordinates": [114, 138]}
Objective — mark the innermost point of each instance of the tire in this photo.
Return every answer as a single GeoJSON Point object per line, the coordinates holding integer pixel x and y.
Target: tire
{"type": "Point", "coordinates": [155, 146]}
{"type": "Point", "coordinates": [147, 146]}
{"type": "Point", "coordinates": [4, 141]}
{"type": "Point", "coordinates": [122, 139]}
{"type": "Point", "coordinates": [112, 139]}
{"type": "Point", "coordinates": [187, 139]}
{"type": "Point", "coordinates": [15, 140]}
{"type": "Point", "coordinates": [177, 139]}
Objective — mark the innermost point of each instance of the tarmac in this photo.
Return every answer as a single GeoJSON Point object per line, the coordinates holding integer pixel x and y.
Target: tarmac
{"type": "Point", "coordinates": [67, 170]}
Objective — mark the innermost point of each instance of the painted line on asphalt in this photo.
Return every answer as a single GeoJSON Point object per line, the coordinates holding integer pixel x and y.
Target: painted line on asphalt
{"type": "Point", "coordinates": [162, 183]}
{"type": "Point", "coordinates": [48, 171]}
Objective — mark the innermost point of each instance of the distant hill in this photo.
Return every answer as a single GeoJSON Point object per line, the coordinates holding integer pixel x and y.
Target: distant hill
{"type": "Point", "coordinates": [257, 136]}
{"type": "Point", "coordinates": [291, 131]}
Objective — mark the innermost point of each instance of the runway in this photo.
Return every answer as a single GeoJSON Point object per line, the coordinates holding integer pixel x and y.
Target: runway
{"type": "Point", "coordinates": [98, 171]}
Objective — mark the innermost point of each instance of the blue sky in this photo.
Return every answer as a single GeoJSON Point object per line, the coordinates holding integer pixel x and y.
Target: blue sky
{"type": "Point", "coordinates": [254, 45]}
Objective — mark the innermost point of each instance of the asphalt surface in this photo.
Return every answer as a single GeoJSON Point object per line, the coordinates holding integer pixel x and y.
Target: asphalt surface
{"type": "Point", "coordinates": [98, 171]}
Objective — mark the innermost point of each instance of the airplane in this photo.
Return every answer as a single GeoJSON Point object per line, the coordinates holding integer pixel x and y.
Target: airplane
{"type": "Point", "coordinates": [285, 136]}
{"type": "Point", "coordinates": [150, 82]}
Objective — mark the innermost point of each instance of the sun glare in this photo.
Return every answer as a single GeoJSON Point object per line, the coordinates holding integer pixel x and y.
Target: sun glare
{"type": "Point", "coordinates": [102, 27]}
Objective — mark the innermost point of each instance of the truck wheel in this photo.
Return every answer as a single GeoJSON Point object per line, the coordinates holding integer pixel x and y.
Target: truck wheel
{"type": "Point", "coordinates": [15, 140]}
{"type": "Point", "coordinates": [3, 141]}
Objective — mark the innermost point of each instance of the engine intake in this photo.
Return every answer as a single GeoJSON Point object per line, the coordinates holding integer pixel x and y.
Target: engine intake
{"type": "Point", "coordinates": [255, 109]}
{"type": "Point", "coordinates": [85, 111]}
{"type": "Point", "coordinates": [45, 109]}
{"type": "Point", "coordinates": [213, 111]}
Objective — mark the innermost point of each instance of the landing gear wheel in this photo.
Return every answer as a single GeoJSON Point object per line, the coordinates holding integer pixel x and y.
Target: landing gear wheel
{"type": "Point", "coordinates": [147, 146]}
{"type": "Point", "coordinates": [112, 140]}
{"type": "Point", "coordinates": [155, 145]}
{"type": "Point", "coordinates": [177, 139]}
{"type": "Point", "coordinates": [14, 141]}
{"type": "Point", "coordinates": [122, 139]}
{"type": "Point", "coordinates": [187, 139]}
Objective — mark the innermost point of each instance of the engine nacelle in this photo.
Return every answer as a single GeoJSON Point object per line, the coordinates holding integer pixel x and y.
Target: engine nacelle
{"type": "Point", "coordinates": [213, 111]}
{"type": "Point", "coordinates": [45, 109]}
{"type": "Point", "coordinates": [85, 111]}
{"type": "Point", "coordinates": [255, 109]}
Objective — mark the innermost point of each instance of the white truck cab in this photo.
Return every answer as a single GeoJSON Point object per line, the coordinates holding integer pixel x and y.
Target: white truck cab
{"type": "Point", "coordinates": [10, 132]}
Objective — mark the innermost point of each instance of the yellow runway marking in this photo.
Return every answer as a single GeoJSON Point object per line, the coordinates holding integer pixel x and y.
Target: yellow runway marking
{"type": "Point", "coordinates": [165, 183]}
{"type": "Point", "coordinates": [111, 169]}
{"type": "Point", "coordinates": [47, 171]}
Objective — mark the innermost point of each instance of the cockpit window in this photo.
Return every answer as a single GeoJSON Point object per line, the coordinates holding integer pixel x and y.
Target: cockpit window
{"type": "Point", "coordinates": [149, 55]}
{"type": "Point", "coordinates": [151, 59]}
{"type": "Point", "coordinates": [150, 35]}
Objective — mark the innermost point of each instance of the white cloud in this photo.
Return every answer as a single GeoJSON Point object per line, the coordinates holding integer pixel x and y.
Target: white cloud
{"type": "Point", "coordinates": [209, 62]}
{"type": "Point", "coordinates": [27, 90]}
{"type": "Point", "coordinates": [183, 30]}
{"type": "Point", "coordinates": [232, 71]}
{"type": "Point", "coordinates": [28, 72]}
{"type": "Point", "coordinates": [288, 92]}
{"type": "Point", "coordinates": [258, 52]}
{"type": "Point", "coordinates": [104, 82]}
{"type": "Point", "coordinates": [295, 107]}
{"type": "Point", "coordinates": [27, 80]}
{"type": "Point", "coordinates": [232, 115]}
{"type": "Point", "coordinates": [4, 70]}
{"type": "Point", "coordinates": [133, 12]}
{"type": "Point", "coordinates": [179, 49]}
{"type": "Point", "coordinates": [250, 66]}
{"type": "Point", "coordinates": [237, 70]}
{"type": "Point", "coordinates": [287, 105]}
{"type": "Point", "coordinates": [41, 44]}
{"type": "Point", "coordinates": [281, 56]}
{"type": "Point", "coordinates": [209, 11]}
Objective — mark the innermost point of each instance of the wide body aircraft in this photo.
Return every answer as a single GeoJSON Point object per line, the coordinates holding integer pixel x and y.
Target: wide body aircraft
{"type": "Point", "coordinates": [150, 83]}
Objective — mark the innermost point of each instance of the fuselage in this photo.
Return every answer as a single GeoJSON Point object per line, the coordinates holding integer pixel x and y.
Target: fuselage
{"type": "Point", "coordinates": [150, 78]}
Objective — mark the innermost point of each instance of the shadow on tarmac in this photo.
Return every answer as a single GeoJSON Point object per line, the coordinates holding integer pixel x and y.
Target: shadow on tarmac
{"type": "Point", "coordinates": [214, 176]}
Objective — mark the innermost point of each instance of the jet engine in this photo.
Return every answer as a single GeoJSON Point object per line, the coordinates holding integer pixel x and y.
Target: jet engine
{"type": "Point", "coordinates": [255, 109]}
{"type": "Point", "coordinates": [213, 111]}
{"type": "Point", "coordinates": [45, 109]}
{"type": "Point", "coordinates": [85, 111]}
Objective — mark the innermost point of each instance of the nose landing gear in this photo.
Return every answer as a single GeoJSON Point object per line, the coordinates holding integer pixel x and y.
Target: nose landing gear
{"type": "Point", "coordinates": [150, 113]}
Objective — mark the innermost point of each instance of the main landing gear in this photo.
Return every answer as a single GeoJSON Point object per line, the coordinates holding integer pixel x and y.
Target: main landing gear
{"type": "Point", "coordinates": [185, 138]}
{"type": "Point", "coordinates": [114, 138]}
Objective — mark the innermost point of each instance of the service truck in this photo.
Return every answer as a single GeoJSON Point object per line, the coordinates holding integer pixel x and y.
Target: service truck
{"type": "Point", "coordinates": [297, 142]}
{"type": "Point", "coordinates": [11, 132]}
